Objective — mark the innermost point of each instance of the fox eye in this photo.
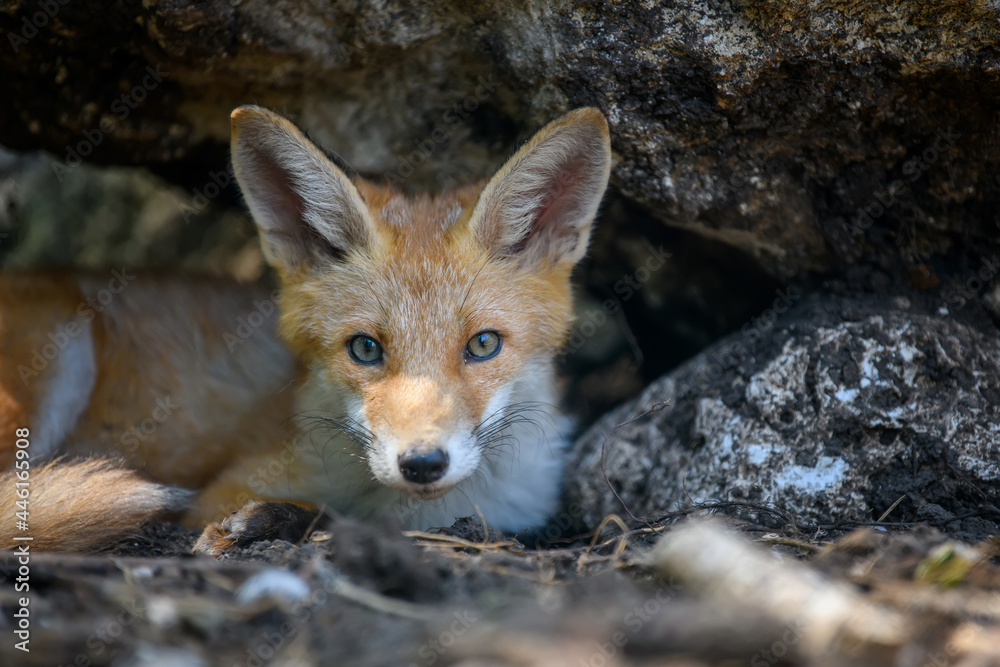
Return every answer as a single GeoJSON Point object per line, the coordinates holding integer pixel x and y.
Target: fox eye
{"type": "Point", "coordinates": [484, 345]}
{"type": "Point", "coordinates": [365, 350]}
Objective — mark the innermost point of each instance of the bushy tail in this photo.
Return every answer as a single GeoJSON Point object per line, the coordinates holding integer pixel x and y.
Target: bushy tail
{"type": "Point", "coordinates": [82, 505]}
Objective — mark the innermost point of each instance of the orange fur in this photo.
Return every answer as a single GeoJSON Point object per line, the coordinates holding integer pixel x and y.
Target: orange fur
{"type": "Point", "coordinates": [163, 365]}
{"type": "Point", "coordinates": [424, 297]}
{"type": "Point", "coordinates": [154, 374]}
{"type": "Point", "coordinates": [84, 505]}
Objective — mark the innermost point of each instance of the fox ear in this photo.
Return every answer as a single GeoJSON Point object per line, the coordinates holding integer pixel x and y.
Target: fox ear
{"type": "Point", "coordinates": [304, 206]}
{"type": "Point", "coordinates": [540, 205]}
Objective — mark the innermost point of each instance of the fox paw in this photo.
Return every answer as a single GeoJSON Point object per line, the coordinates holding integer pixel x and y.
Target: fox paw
{"type": "Point", "coordinates": [258, 520]}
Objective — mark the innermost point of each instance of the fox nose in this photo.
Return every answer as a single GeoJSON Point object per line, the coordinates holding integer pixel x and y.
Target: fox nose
{"type": "Point", "coordinates": [423, 467]}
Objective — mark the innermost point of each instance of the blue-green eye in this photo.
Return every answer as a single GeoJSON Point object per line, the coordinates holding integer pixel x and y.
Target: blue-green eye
{"type": "Point", "coordinates": [484, 345]}
{"type": "Point", "coordinates": [365, 350]}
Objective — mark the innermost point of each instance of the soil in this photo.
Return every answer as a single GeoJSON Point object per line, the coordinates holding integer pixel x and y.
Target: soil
{"type": "Point", "coordinates": [360, 594]}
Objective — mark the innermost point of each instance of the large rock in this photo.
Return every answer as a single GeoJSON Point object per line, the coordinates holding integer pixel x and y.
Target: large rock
{"type": "Point", "coordinates": [831, 413]}
{"type": "Point", "coordinates": [755, 141]}
{"type": "Point", "coordinates": [786, 131]}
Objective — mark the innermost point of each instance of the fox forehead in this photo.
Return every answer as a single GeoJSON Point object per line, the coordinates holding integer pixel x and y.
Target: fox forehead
{"type": "Point", "coordinates": [427, 287]}
{"type": "Point", "coordinates": [421, 218]}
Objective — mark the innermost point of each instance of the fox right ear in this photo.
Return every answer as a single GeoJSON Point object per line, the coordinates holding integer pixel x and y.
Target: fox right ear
{"type": "Point", "coordinates": [540, 205]}
{"type": "Point", "coordinates": [303, 205]}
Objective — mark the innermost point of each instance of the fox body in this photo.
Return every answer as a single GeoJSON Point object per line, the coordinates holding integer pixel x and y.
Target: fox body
{"type": "Point", "coordinates": [410, 372]}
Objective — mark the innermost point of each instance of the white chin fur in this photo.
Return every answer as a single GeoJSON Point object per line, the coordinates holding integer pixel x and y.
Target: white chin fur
{"type": "Point", "coordinates": [514, 487]}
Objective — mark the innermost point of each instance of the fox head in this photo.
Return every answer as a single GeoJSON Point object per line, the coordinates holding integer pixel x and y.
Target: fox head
{"type": "Point", "coordinates": [417, 318]}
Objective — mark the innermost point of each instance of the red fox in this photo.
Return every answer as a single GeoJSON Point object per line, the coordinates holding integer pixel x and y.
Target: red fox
{"type": "Point", "coordinates": [410, 372]}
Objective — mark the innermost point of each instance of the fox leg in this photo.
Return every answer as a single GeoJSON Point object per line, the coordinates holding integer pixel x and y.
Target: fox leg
{"type": "Point", "coordinates": [258, 520]}
{"type": "Point", "coordinates": [234, 516]}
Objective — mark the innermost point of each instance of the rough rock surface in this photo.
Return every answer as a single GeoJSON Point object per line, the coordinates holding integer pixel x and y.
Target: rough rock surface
{"type": "Point", "coordinates": [755, 141]}
{"type": "Point", "coordinates": [832, 413]}
{"type": "Point", "coordinates": [786, 131]}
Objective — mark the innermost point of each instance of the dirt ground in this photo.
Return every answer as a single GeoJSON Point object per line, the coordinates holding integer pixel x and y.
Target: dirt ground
{"type": "Point", "coordinates": [686, 590]}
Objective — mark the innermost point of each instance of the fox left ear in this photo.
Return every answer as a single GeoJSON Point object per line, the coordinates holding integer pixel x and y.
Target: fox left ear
{"type": "Point", "coordinates": [540, 206]}
{"type": "Point", "coordinates": [305, 207]}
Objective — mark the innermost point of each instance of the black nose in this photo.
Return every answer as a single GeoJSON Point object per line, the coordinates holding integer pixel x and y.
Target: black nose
{"type": "Point", "coordinates": [423, 467]}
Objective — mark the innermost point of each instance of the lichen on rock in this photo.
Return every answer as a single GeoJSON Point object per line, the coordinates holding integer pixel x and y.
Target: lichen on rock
{"type": "Point", "coordinates": [830, 419]}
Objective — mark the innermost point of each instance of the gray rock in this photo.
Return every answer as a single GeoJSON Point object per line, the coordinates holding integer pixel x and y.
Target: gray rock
{"type": "Point", "coordinates": [754, 140]}
{"type": "Point", "coordinates": [832, 414]}
{"type": "Point", "coordinates": [779, 129]}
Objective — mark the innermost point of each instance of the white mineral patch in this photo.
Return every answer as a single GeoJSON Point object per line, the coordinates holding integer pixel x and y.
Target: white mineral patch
{"type": "Point", "coordinates": [909, 353]}
{"type": "Point", "coordinates": [826, 475]}
{"type": "Point", "coordinates": [757, 454]}
{"type": "Point", "coordinates": [847, 395]}
{"type": "Point", "coordinates": [897, 414]}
